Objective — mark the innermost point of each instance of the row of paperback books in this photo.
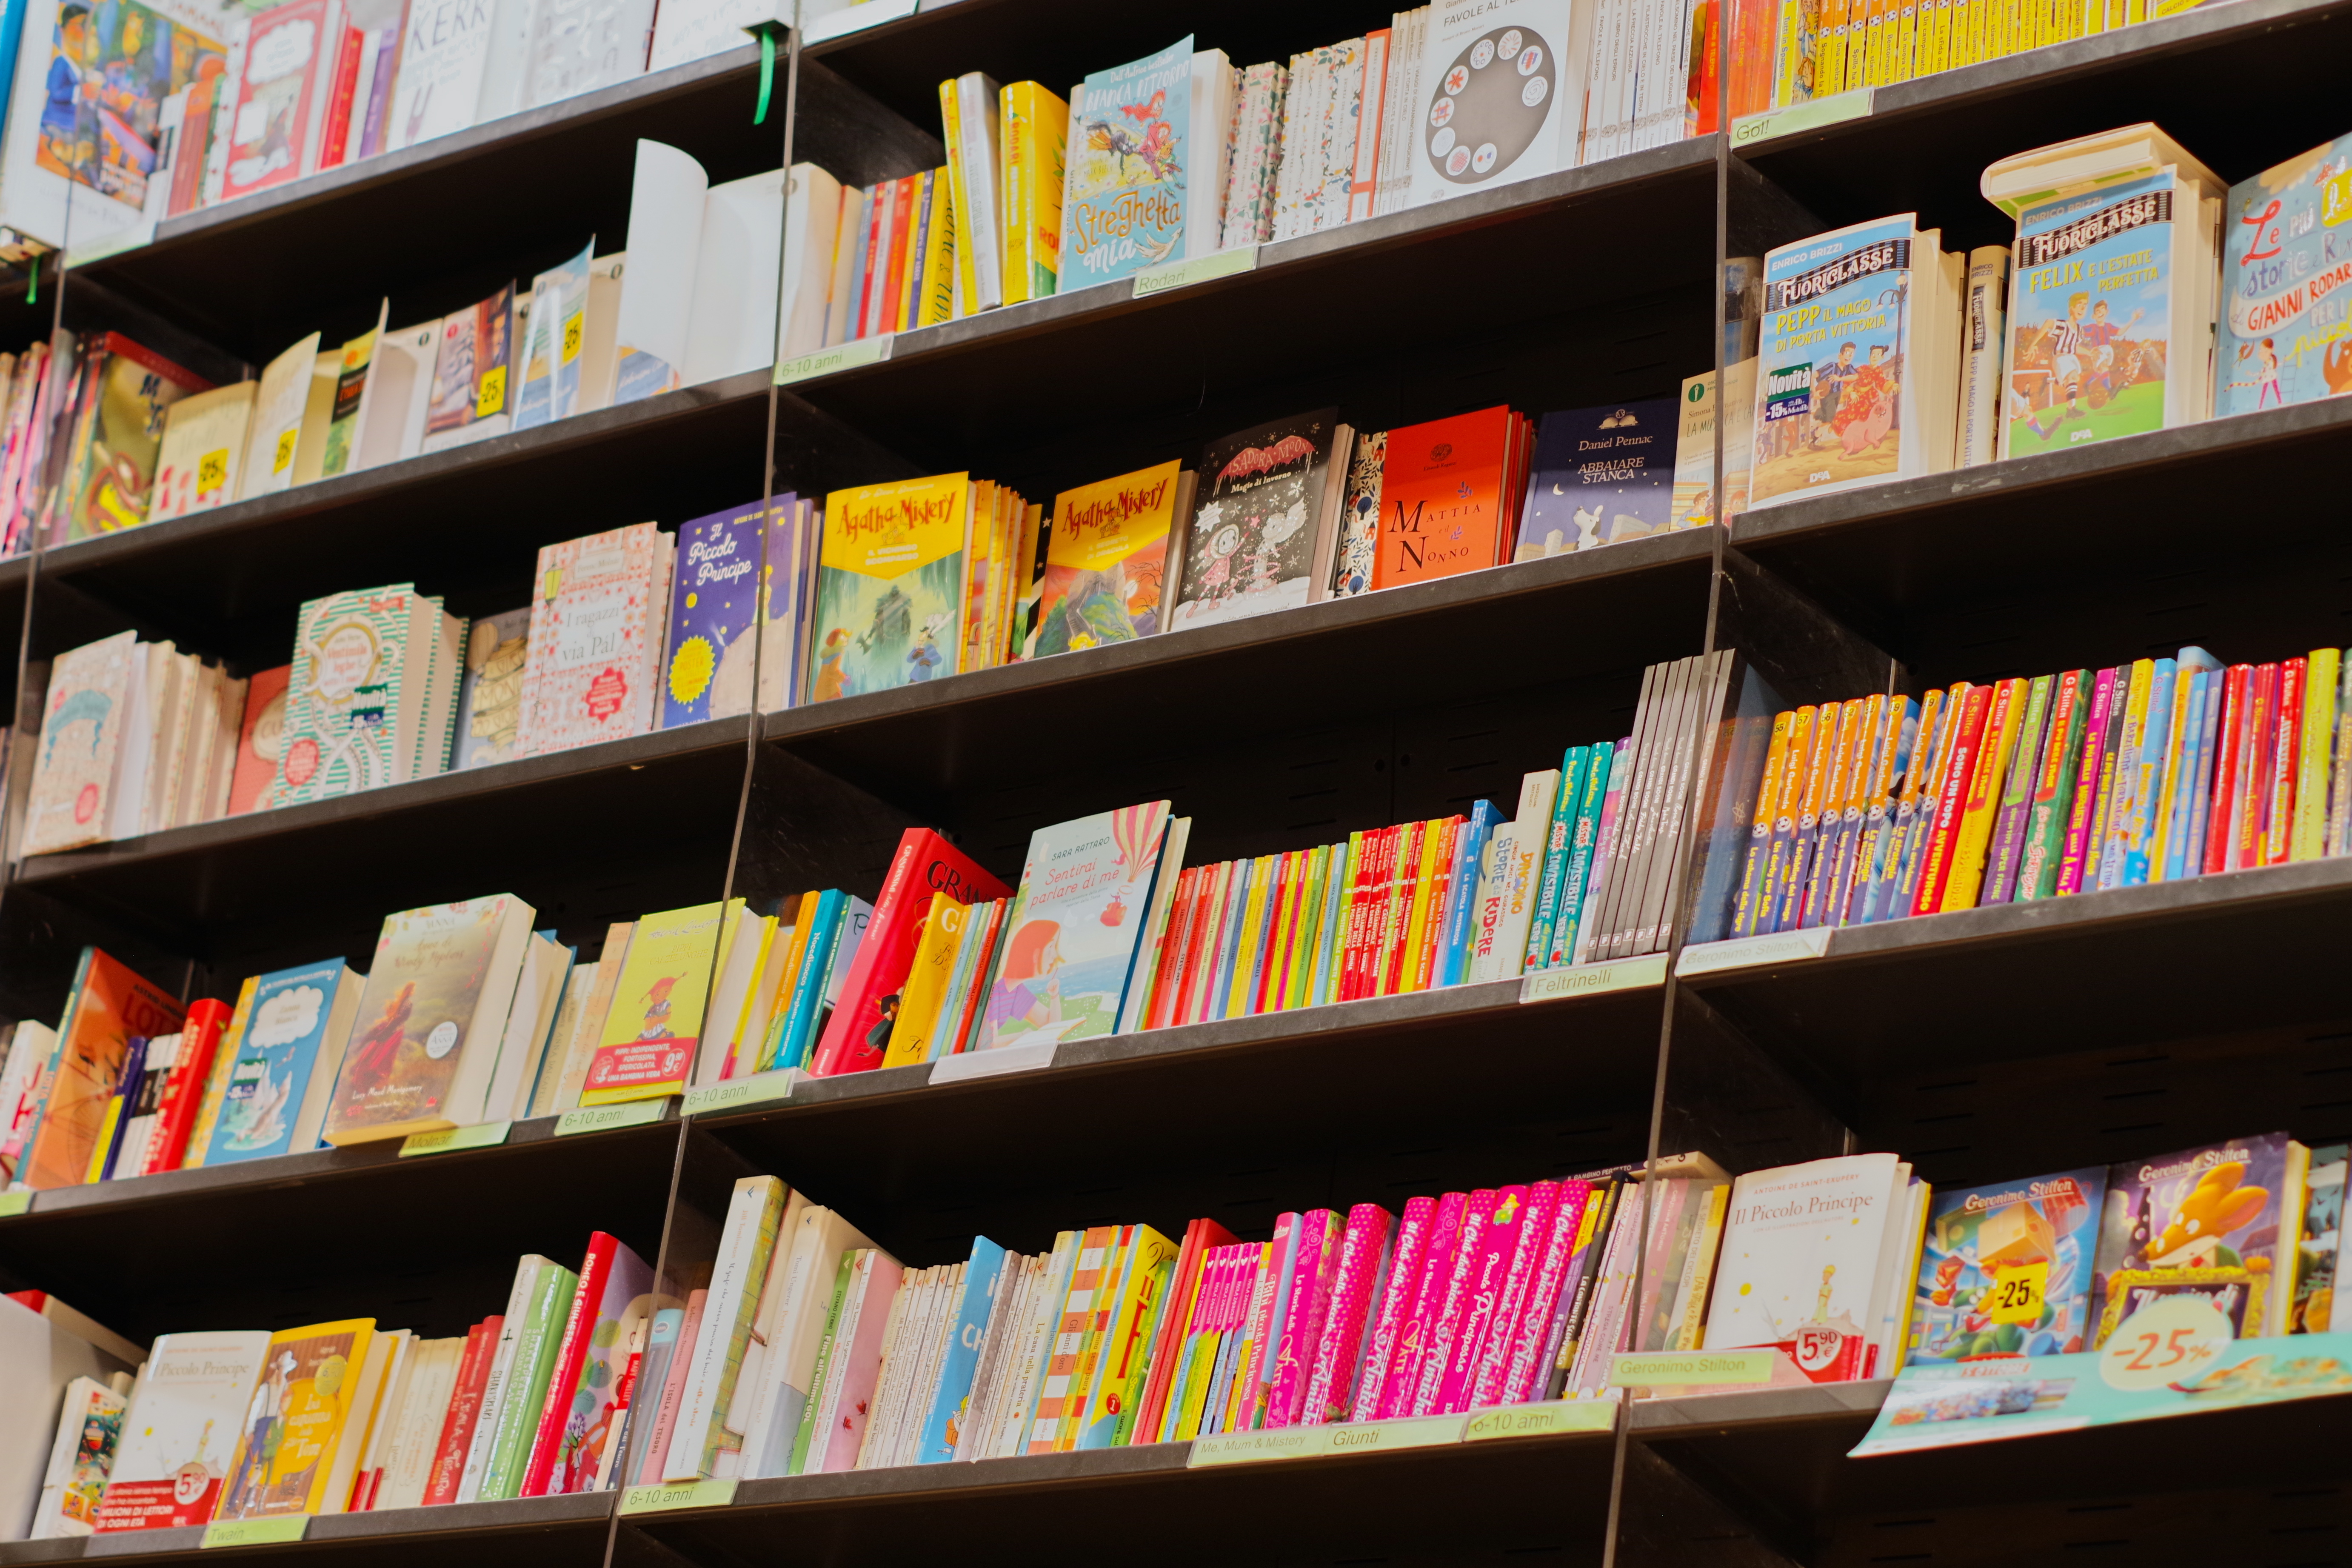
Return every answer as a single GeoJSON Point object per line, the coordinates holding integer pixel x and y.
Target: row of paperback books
{"type": "Point", "coordinates": [138, 438]}
{"type": "Point", "coordinates": [349, 1418]}
{"type": "Point", "coordinates": [1885, 807]}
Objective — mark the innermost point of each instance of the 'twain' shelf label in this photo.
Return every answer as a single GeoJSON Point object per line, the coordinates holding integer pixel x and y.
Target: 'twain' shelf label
{"type": "Point", "coordinates": [604, 1118]}
{"type": "Point", "coordinates": [1747, 952]}
{"type": "Point", "coordinates": [671, 1495]}
{"type": "Point", "coordinates": [1183, 274]}
{"type": "Point", "coordinates": [1591, 979]}
{"type": "Point", "coordinates": [841, 356]}
{"type": "Point", "coordinates": [449, 1140]}
{"type": "Point", "coordinates": [256, 1531]}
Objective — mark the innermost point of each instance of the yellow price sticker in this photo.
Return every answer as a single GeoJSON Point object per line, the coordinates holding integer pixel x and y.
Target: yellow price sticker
{"type": "Point", "coordinates": [574, 324]}
{"type": "Point", "coordinates": [491, 395]}
{"type": "Point", "coordinates": [285, 458]}
{"type": "Point", "coordinates": [212, 471]}
{"type": "Point", "coordinates": [2017, 1293]}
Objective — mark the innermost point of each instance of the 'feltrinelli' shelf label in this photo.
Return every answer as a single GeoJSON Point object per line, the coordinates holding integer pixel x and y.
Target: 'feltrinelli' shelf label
{"type": "Point", "coordinates": [1592, 979]}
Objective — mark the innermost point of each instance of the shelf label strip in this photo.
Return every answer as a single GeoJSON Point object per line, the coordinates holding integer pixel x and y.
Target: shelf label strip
{"type": "Point", "coordinates": [1317, 1442]}
{"type": "Point", "coordinates": [604, 1118]}
{"type": "Point", "coordinates": [136, 236]}
{"type": "Point", "coordinates": [841, 356]}
{"type": "Point", "coordinates": [1588, 979]}
{"type": "Point", "coordinates": [255, 1532]}
{"type": "Point", "coordinates": [665, 1496]}
{"type": "Point", "coordinates": [1544, 1420]}
{"type": "Point", "coordinates": [449, 1140]}
{"type": "Point", "coordinates": [1183, 274]}
{"type": "Point", "coordinates": [14, 1204]}
{"type": "Point", "coordinates": [740, 1093]}
{"type": "Point", "coordinates": [1746, 951]}
{"type": "Point", "coordinates": [1673, 1369]}
{"type": "Point", "coordinates": [989, 1064]}
{"type": "Point", "coordinates": [1792, 118]}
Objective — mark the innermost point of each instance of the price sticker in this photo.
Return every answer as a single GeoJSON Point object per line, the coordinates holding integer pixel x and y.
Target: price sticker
{"type": "Point", "coordinates": [491, 395]}
{"type": "Point", "coordinates": [284, 457]}
{"type": "Point", "coordinates": [212, 471]}
{"type": "Point", "coordinates": [2016, 1296]}
{"type": "Point", "coordinates": [574, 324]}
{"type": "Point", "coordinates": [2165, 1342]}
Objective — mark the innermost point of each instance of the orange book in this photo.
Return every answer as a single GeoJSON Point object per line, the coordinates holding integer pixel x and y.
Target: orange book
{"type": "Point", "coordinates": [1444, 496]}
{"type": "Point", "coordinates": [1955, 772]}
{"type": "Point", "coordinates": [1059, 1398]}
{"type": "Point", "coordinates": [108, 1005]}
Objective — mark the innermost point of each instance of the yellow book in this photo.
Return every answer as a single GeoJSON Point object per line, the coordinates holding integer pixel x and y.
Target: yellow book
{"type": "Point", "coordinates": [890, 585]}
{"type": "Point", "coordinates": [297, 1420]}
{"type": "Point", "coordinates": [1907, 44]}
{"type": "Point", "coordinates": [1121, 1354]}
{"type": "Point", "coordinates": [1874, 45]}
{"type": "Point", "coordinates": [1433, 837]}
{"type": "Point", "coordinates": [1104, 560]}
{"type": "Point", "coordinates": [1282, 903]}
{"type": "Point", "coordinates": [1036, 127]}
{"type": "Point", "coordinates": [1298, 989]}
{"type": "Point", "coordinates": [200, 1138]}
{"type": "Point", "coordinates": [1089, 1320]}
{"type": "Point", "coordinates": [1981, 803]}
{"type": "Point", "coordinates": [927, 983]}
{"type": "Point", "coordinates": [649, 1044]}
{"type": "Point", "coordinates": [1241, 996]}
{"type": "Point", "coordinates": [978, 552]}
{"type": "Point", "coordinates": [2319, 694]}
{"type": "Point", "coordinates": [796, 937]}
{"type": "Point", "coordinates": [936, 301]}
{"type": "Point", "coordinates": [1702, 1258]}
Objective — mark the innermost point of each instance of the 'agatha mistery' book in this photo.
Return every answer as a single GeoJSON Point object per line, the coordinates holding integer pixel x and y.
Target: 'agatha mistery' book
{"type": "Point", "coordinates": [2283, 268]}
{"type": "Point", "coordinates": [1106, 559]}
{"type": "Point", "coordinates": [889, 586]}
{"type": "Point", "coordinates": [1265, 513]}
{"type": "Point", "coordinates": [1085, 893]}
{"type": "Point", "coordinates": [2006, 1269]}
{"type": "Point", "coordinates": [1128, 153]}
{"type": "Point", "coordinates": [425, 1044]}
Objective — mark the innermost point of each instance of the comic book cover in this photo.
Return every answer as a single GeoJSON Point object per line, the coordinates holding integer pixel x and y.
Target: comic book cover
{"type": "Point", "coordinates": [2317, 1241]}
{"type": "Point", "coordinates": [1251, 547]}
{"type": "Point", "coordinates": [2211, 1221]}
{"type": "Point", "coordinates": [2285, 316]}
{"type": "Point", "coordinates": [1837, 335]}
{"type": "Point", "coordinates": [1130, 144]}
{"type": "Point", "coordinates": [2006, 1269]}
{"type": "Point", "coordinates": [2090, 316]}
{"type": "Point", "coordinates": [889, 584]}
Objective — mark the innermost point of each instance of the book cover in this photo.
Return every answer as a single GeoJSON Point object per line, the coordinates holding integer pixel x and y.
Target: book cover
{"type": "Point", "coordinates": [1602, 475]}
{"type": "Point", "coordinates": [1105, 561]}
{"type": "Point", "coordinates": [2319, 1242]}
{"type": "Point", "coordinates": [88, 705]}
{"type": "Point", "coordinates": [890, 585]}
{"type": "Point", "coordinates": [363, 688]}
{"type": "Point", "coordinates": [297, 1419]}
{"type": "Point", "coordinates": [713, 609]}
{"type": "Point", "coordinates": [2090, 315]}
{"type": "Point", "coordinates": [1490, 109]}
{"type": "Point", "coordinates": [260, 741]}
{"type": "Point", "coordinates": [443, 52]}
{"type": "Point", "coordinates": [1445, 487]}
{"type": "Point", "coordinates": [1131, 146]}
{"type": "Point", "coordinates": [1801, 1252]}
{"type": "Point", "coordinates": [110, 470]}
{"type": "Point", "coordinates": [201, 463]}
{"type": "Point", "coordinates": [1073, 926]}
{"type": "Point", "coordinates": [950, 1405]}
{"type": "Point", "coordinates": [597, 606]}
{"type": "Point", "coordinates": [649, 1037]}
{"type": "Point", "coordinates": [583, 1414]}
{"type": "Point", "coordinates": [2214, 1221]}
{"type": "Point", "coordinates": [2006, 1269]}
{"type": "Point", "coordinates": [489, 693]}
{"type": "Point", "coordinates": [470, 387]}
{"type": "Point", "coordinates": [89, 1428]}
{"type": "Point", "coordinates": [110, 1008]}
{"type": "Point", "coordinates": [1259, 521]}
{"type": "Point", "coordinates": [181, 1430]}
{"type": "Point", "coordinates": [290, 1037]}
{"type": "Point", "coordinates": [289, 55]}
{"type": "Point", "coordinates": [2280, 259]}
{"type": "Point", "coordinates": [430, 1018]}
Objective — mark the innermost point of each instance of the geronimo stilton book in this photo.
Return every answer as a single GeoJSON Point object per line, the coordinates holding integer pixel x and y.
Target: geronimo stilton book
{"type": "Point", "coordinates": [1086, 891]}
{"type": "Point", "coordinates": [2006, 1269]}
{"type": "Point", "coordinates": [2217, 1222]}
{"type": "Point", "coordinates": [1129, 149]}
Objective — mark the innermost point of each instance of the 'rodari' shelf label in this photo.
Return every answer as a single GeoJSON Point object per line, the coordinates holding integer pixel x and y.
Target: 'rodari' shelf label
{"type": "Point", "coordinates": [1183, 274]}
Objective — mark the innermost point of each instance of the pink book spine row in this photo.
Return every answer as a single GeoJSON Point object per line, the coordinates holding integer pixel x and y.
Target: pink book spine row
{"type": "Point", "coordinates": [1310, 1299]}
{"type": "Point", "coordinates": [1413, 1344]}
{"type": "Point", "coordinates": [1361, 1250]}
{"type": "Point", "coordinates": [1264, 1315]}
{"type": "Point", "coordinates": [1492, 1365]}
{"type": "Point", "coordinates": [1395, 1303]}
{"type": "Point", "coordinates": [1452, 1304]}
{"type": "Point", "coordinates": [1498, 1241]}
{"type": "Point", "coordinates": [1525, 1378]}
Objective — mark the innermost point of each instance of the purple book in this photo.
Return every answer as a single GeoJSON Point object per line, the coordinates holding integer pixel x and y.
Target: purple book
{"type": "Point", "coordinates": [387, 64]}
{"type": "Point", "coordinates": [713, 597]}
{"type": "Point", "coordinates": [2017, 797]}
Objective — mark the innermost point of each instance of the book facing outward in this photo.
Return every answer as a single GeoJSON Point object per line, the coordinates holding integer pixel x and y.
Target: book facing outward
{"type": "Point", "coordinates": [280, 1086]}
{"type": "Point", "coordinates": [186, 1421]}
{"type": "Point", "coordinates": [890, 585]}
{"type": "Point", "coordinates": [857, 1037]}
{"type": "Point", "coordinates": [1106, 560]}
{"type": "Point", "coordinates": [1091, 890]}
{"type": "Point", "coordinates": [595, 646]}
{"type": "Point", "coordinates": [646, 1048]}
{"type": "Point", "coordinates": [304, 1422]}
{"type": "Point", "coordinates": [2006, 1269]}
{"type": "Point", "coordinates": [582, 1413]}
{"type": "Point", "coordinates": [110, 1008]}
{"type": "Point", "coordinates": [2215, 1223]}
{"type": "Point", "coordinates": [1450, 493]}
{"type": "Point", "coordinates": [1265, 521]}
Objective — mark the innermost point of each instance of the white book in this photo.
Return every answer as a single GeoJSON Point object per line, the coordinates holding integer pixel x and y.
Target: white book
{"type": "Point", "coordinates": [125, 808]}
{"type": "Point", "coordinates": [69, 1502]}
{"type": "Point", "coordinates": [353, 1442]}
{"type": "Point", "coordinates": [996, 1338]}
{"type": "Point", "coordinates": [1496, 858]}
{"type": "Point", "coordinates": [443, 51]}
{"type": "Point", "coordinates": [819, 1240]}
{"type": "Point", "coordinates": [602, 322]}
{"type": "Point", "coordinates": [378, 1426]}
{"type": "Point", "coordinates": [407, 1460]}
{"type": "Point", "coordinates": [744, 939]}
{"type": "Point", "coordinates": [651, 333]}
{"type": "Point", "coordinates": [505, 62]}
{"type": "Point", "coordinates": [978, 157]}
{"type": "Point", "coordinates": [765, 1320]}
{"type": "Point", "coordinates": [737, 1282]}
{"type": "Point", "coordinates": [399, 396]}
{"type": "Point", "coordinates": [1801, 1246]}
{"type": "Point", "coordinates": [183, 1425]}
{"type": "Point", "coordinates": [1028, 1375]}
{"type": "Point", "coordinates": [580, 46]}
{"type": "Point", "coordinates": [731, 318]}
{"type": "Point", "coordinates": [277, 428]}
{"type": "Point", "coordinates": [494, 1388]}
{"type": "Point", "coordinates": [905, 1304]}
{"type": "Point", "coordinates": [689, 30]}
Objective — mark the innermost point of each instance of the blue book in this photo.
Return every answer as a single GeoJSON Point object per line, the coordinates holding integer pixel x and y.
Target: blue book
{"type": "Point", "coordinates": [1583, 843]}
{"type": "Point", "coordinates": [1131, 146]}
{"type": "Point", "coordinates": [794, 1028]}
{"type": "Point", "coordinates": [276, 1096]}
{"type": "Point", "coordinates": [2279, 341]}
{"type": "Point", "coordinates": [1575, 764]}
{"type": "Point", "coordinates": [1229, 939]}
{"type": "Point", "coordinates": [944, 1425]}
{"type": "Point", "coordinates": [713, 600]}
{"type": "Point", "coordinates": [2207, 749]}
{"type": "Point", "coordinates": [1462, 898]}
{"type": "Point", "coordinates": [1602, 475]}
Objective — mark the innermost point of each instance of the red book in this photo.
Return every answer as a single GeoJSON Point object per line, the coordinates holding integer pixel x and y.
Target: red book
{"type": "Point", "coordinates": [925, 863]}
{"type": "Point", "coordinates": [571, 1351]}
{"type": "Point", "coordinates": [1175, 948]}
{"type": "Point", "coordinates": [339, 104]}
{"type": "Point", "coordinates": [464, 1409]}
{"type": "Point", "coordinates": [1175, 1318]}
{"type": "Point", "coordinates": [289, 61]}
{"type": "Point", "coordinates": [2278, 817]}
{"type": "Point", "coordinates": [1935, 870]}
{"type": "Point", "coordinates": [1705, 72]}
{"type": "Point", "coordinates": [1441, 888]}
{"type": "Point", "coordinates": [1207, 917]}
{"type": "Point", "coordinates": [2254, 764]}
{"type": "Point", "coordinates": [255, 776]}
{"type": "Point", "coordinates": [1445, 497]}
{"type": "Point", "coordinates": [2220, 822]}
{"type": "Point", "coordinates": [1352, 950]}
{"type": "Point", "coordinates": [184, 1091]}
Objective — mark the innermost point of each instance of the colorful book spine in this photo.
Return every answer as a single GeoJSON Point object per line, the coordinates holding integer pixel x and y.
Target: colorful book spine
{"type": "Point", "coordinates": [2285, 769]}
{"type": "Point", "coordinates": [2313, 746]}
{"type": "Point", "coordinates": [2229, 737]}
{"type": "Point", "coordinates": [2075, 859]}
{"type": "Point", "coordinates": [2007, 854]}
{"type": "Point", "coordinates": [1991, 766]}
{"type": "Point", "coordinates": [1357, 1279]}
{"type": "Point", "coordinates": [1452, 1304]}
{"type": "Point", "coordinates": [1957, 770]}
{"type": "Point", "coordinates": [1574, 764]}
{"type": "Point", "coordinates": [1414, 1335]}
{"type": "Point", "coordinates": [1395, 1304]}
{"type": "Point", "coordinates": [1756, 864]}
{"type": "Point", "coordinates": [1888, 899]}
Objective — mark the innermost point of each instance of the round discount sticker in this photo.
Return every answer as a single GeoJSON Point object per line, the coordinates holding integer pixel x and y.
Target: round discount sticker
{"type": "Point", "coordinates": [2163, 1342]}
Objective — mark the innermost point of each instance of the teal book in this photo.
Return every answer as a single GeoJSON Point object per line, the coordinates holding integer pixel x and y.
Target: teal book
{"type": "Point", "coordinates": [1462, 894]}
{"type": "Point", "coordinates": [1070, 936]}
{"type": "Point", "coordinates": [300, 1018]}
{"type": "Point", "coordinates": [1575, 766]}
{"type": "Point", "coordinates": [795, 1027]}
{"type": "Point", "coordinates": [950, 1399]}
{"type": "Point", "coordinates": [1133, 170]}
{"type": "Point", "coordinates": [1583, 843]}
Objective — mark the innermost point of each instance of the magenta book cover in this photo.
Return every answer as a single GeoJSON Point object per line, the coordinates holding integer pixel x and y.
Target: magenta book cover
{"type": "Point", "coordinates": [1495, 1345]}
{"type": "Point", "coordinates": [1444, 1323]}
{"type": "Point", "coordinates": [1498, 1239]}
{"type": "Point", "coordinates": [1403, 1273]}
{"type": "Point", "coordinates": [1265, 1322]}
{"type": "Point", "coordinates": [1412, 1343]}
{"type": "Point", "coordinates": [1312, 1259]}
{"type": "Point", "coordinates": [1355, 1280]}
{"type": "Point", "coordinates": [1524, 1377]}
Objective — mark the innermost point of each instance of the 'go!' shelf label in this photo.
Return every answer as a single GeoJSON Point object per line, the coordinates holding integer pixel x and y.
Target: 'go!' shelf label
{"type": "Point", "coordinates": [668, 1495]}
{"type": "Point", "coordinates": [1791, 119]}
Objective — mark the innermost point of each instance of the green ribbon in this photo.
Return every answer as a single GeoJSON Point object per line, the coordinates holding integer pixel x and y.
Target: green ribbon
{"type": "Point", "coordinates": [33, 289]}
{"type": "Point", "coordinates": [767, 75]}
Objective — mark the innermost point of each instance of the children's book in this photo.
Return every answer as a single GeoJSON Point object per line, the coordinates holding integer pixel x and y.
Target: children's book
{"type": "Point", "coordinates": [1499, 95]}
{"type": "Point", "coordinates": [471, 398]}
{"type": "Point", "coordinates": [2283, 337]}
{"type": "Point", "coordinates": [186, 1416]}
{"type": "Point", "coordinates": [713, 608]}
{"type": "Point", "coordinates": [298, 1420]}
{"type": "Point", "coordinates": [1449, 495]}
{"type": "Point", "coordinates": [2319, 1242]}
{"type": "Point", "coordinates": [1265, 517]}
{"type": "Point", "coordinates": [890, 585]}
{"type": "Point", "coordinates": [371, 694]}
{"type": "Point", "coordinates": [1131, 148]}
{"type": "Point", "coordinates": [260, 741]}
{"type": "Point", "coordinates": [424, 1046]}
{"type": "Point", "coordinates": [80, 747]}
{"type": "Point", "coordinates": [201, 462]}
{"type": "Point", "coordinates": [1602, 475]}
{"type": "Point", "coordinates": [288, 58]}
{"type": "Point", "coordinates": [108, 1010]}
{"type": "Point", "coordinates": [872, 979]}
{"type": "Point", "coordinates": [286, 1059]}
{"type": "Point", "coordinates": [550, 376]}
{"type": "Point", "coordinates": [111, 457]}
{"type": "Point", "coordinates": [583, 1413]}
{"type": "Point", "coordinates": [1085, 891]}
{"type": "Point", "coordinates": [650, 1034]}
{"type": "Point", "coordinates": [1106, 559]}
{"type": "Point", "coordinates": [444, 52]}
{"type": "Point", "coordinates": [2006, 1269]}
{"type": "Point", "coordinates": [1800, 1266]}
{"type": "Point", "coordinates": [597, 606]}
{"type": "Point", "coordinates": [489, 698]}
{"type": "Point", "coordinates": [2216, 1222]}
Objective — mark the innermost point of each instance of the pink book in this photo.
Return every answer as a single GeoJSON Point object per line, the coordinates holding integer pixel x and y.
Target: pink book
{"type": "Point", "coordinates": [1498, 1243]}
{"type": "Point", "coordinates": [1605, 1327]}
{"type": "Point", "coordinates": [1395, 1302]}
{"type": "Point", "coordinates": [673, 1390]}
{"type": "Point", "coordinates": [1355, 1282]}
{"type": "Point", "coordinates": [1490, 1375]}
{"type": "Point", "coordinates": [1219, 1329]}
{"type": "Point", "coordinates": [865, 1369]}
{"type": "Point", "coordinates": [1266, 1300]}
{"type": "Point", "coordinates": [1412, 1341]}
{"type": "Point", "coordinates": [1312, 1266]}
{"type": "Point", "coordinates": [1524, 1378]}
{"type": "Point", "coordinates": [1658, 1260]}
{"type": "Point", "coordinates": [1445, 1322]}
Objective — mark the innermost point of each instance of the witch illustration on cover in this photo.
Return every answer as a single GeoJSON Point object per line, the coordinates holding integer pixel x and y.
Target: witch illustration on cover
{"type": "Point", "coordinates": [1128, 145]}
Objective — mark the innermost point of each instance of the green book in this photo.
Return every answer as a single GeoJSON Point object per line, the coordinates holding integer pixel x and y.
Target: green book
{"type": "Point", "coordinates": [534, 1363]}
{"type": "Point", "coordinates": [1573, 766]}
{"type": "Point", "coordinates": [1583, 841]}
{"type": "Point", "coordinates": [2053, 787]}
{"type": "Point", "coordinates": [807, 1432]}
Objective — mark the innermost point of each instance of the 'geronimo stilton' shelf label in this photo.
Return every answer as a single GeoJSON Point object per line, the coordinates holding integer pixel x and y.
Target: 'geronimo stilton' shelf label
{"type": "Point", "coordinates": [841, 356]}
{"type": "Point", "coordinates": [1665, 1369]}
{"type": "Point", "coordinates": [1586, 978]}
{"type": "Point", "coordinates": [1746, 951]}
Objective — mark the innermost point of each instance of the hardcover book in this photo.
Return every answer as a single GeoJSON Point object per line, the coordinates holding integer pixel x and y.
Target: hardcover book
{"type": "Point", "coordinates": [371, 693]}
{"type": "Point", "coordinates": [79, 750]}
{"type": "Point", "coordinates": [1801, 1254]}
{"type": "Point", "coordinates": [713, 607]}
{"type": "Point", "coordinates": [282, 100]}
{"type": "Point", "coordinates": [1131, 146]}
{"type": "Point", "coordinates": [1602, 475]}
{"type": "Point", "coordinates": [1264, 518]}
{"type": "Point", "coordinates": [1069, 955]}
{"type": "Point", "coordinates": [2006, 1269]}
{"type": "Point", "coordinates": [890, 585]}
{"type": "Point", "coordinates": [1106, 559]}
{"type": "Point", "coordinates": [1448, 497]}
{"type": "Point", "coordinates": [110, 1007]}
{"type": "Point", "coordinates": [1496, 98]}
